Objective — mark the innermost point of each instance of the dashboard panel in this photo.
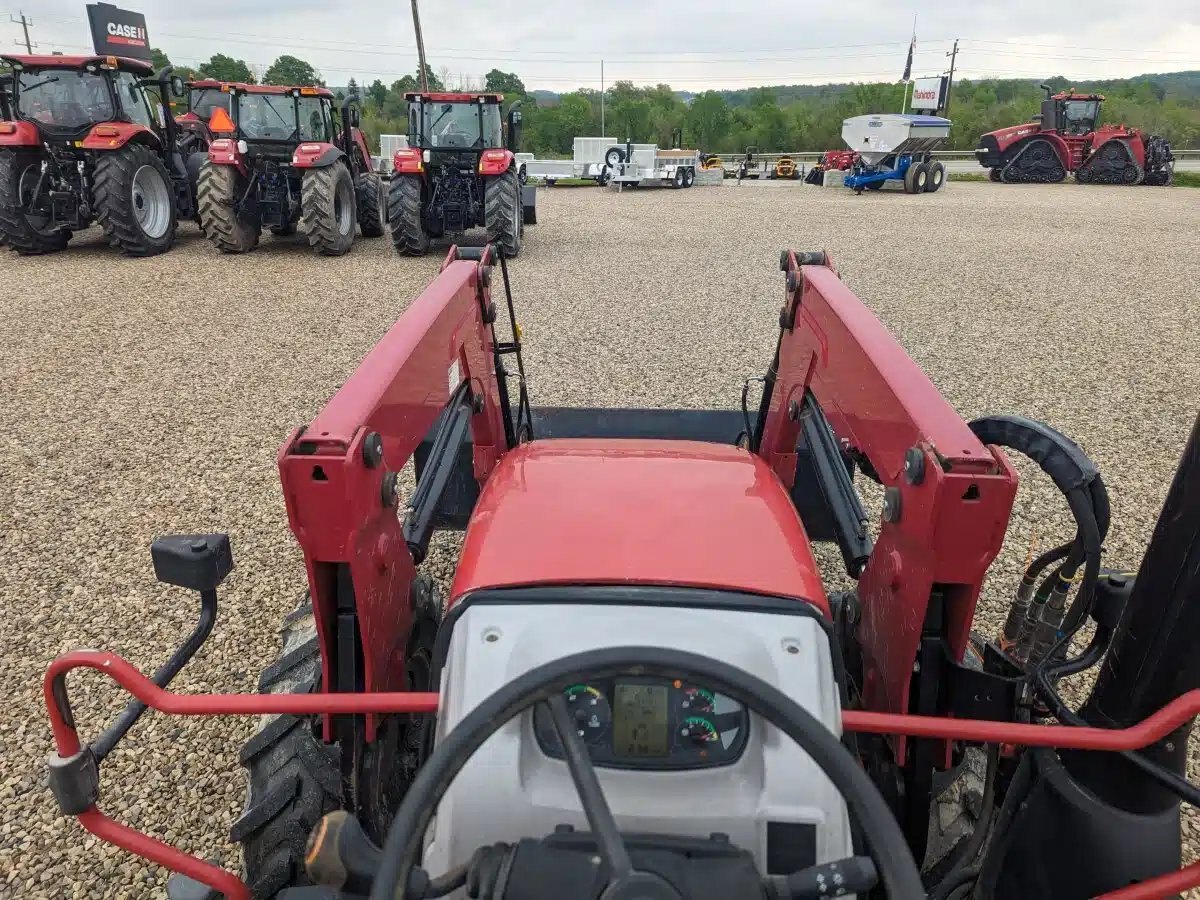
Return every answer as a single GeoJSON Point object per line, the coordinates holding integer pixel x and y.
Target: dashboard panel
{"type": "Point", "coordinates": [646, 723]}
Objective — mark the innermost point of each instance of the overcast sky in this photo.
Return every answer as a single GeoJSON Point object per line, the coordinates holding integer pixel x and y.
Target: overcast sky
{"type": "Point", "coordinates": [559, 45]}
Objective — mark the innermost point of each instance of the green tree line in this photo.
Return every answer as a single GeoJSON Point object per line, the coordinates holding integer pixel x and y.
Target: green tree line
{"type": "Point", "coordinates": [776, 118]}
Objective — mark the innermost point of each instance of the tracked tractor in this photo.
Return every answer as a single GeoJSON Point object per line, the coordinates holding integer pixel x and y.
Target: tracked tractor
{"type": "Point", "coordinates": [284, 158]}
{"type": "Point", "coordinates": [88, 139]}
{"type": "Point", "coordinates": [639, 686]}
{"type": "Point", "coordinates": [458, 173]}
{"type": "Point", "coordinates": [1067, 137]}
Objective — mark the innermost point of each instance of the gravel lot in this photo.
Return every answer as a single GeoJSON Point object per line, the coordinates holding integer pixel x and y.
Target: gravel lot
{"type": "Point", "coordinates": [150, 396]}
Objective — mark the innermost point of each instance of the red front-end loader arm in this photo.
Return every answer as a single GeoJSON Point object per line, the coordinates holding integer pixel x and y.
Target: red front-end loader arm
{"type": "Point", "coordinates": [839, 389]}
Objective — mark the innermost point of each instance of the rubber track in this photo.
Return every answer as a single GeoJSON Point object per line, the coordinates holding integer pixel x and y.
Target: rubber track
{"type": "Point", "coordinates": [501, 201]}
{"type": "Point", "coordinates": [369, 190]}
{"type": "Point", "coordinates": [1012, 174]}
{"type": "Point", "coordinates": [15, 231]}
{"type": "Point", "coordinates": [1100, 168]}
{"type": "Point", "coordinates": [318, 219]}
{"type": "Point", "coordinates": [294, 777]}
{"type": "Point", "coordinates": [405, 216]}
{"type": "Point", "coordinates": [113, 202]}
{"type": "Point", "coordinates": [216, 190]}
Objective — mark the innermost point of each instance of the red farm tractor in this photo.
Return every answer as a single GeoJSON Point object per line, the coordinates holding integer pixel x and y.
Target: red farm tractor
{"type": "Point", "coordinates": [1066, 137]}
{"type": "Point", "coordinates": [639, 687]}
{"type": "Point", "coordinates": [283, 157]}
{"type": "Point", "coordinates": [84, 140]}
{"type": "Point", "coordinates": [457, 173]}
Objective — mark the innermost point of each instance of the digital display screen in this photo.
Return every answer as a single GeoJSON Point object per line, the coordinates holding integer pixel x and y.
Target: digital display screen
{"type": "Point", "coordinates": [640, 726]}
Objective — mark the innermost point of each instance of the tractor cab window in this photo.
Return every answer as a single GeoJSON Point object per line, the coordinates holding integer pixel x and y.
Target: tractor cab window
{"type": "Point", "coordinates": [315, 121]}
{"type": "Point", "coordinates": [457, 125]}
{"type": "Point", "coordinates": [64, 98]}
{"type": "Point", "coordinates": [136, 103]}
{"type": "Point", "coordinates": [1079, 116]}
{"type": "Point", "coordinates": [205, 101]}
{"type": "Point", "coordinates": [267, 117]}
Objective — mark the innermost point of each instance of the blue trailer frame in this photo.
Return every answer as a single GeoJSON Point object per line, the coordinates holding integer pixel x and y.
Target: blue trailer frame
{"type": "Point", "coordinates": [864, 178]}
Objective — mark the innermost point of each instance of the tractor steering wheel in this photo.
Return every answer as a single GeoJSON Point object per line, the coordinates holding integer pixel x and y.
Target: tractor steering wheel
{"type": "Point", "coordinates": [546, 684]}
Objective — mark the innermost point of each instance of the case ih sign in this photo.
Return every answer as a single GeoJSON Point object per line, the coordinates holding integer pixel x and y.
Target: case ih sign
{"type": "Point", "coordinates": [929, 93]}
{"type": "Point", "coordinates": [118, 32]}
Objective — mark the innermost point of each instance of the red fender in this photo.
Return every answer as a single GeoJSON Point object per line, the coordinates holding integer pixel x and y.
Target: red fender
{"type": "Point", "coordinates": [114, 135]}
{"type": "Point", "coordinates": [19, 134]}
{"type": "Point", "coordinates": [1131, 136]}
{"type": "Point", "coordinates": [225, 152]}
{"type": "Point", "coordinates": [495, 162]}
{"type": "Point", "coordinates": [1060, 147]}
{"type": "Point", "coordinates": [316, 155]}
{"type": "Point", "coordinates": [361, 143]}
{"type": "Point", "coordinates": [408, 161]}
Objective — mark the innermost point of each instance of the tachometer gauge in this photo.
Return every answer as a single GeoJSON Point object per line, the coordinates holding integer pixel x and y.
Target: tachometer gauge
{"type": "Point", "coordinates": [694, 701]}
{"type": "Point", "coordinates": [589, 710]}
{"type": "Point", "coordinates": [698, 732]}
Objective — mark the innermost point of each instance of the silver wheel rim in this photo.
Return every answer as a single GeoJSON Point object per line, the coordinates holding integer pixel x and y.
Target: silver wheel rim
{"type": "Point", "coordinates": [151, 201]}
{"type": "Point", "coordinates": [343, 207]}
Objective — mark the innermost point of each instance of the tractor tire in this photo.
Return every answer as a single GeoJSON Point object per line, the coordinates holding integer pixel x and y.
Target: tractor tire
{"type": "Point", "coordinates": [405, 216]}
{"type": "Point", "coordinates": [503, 213]}
{"type": "Point", "coordinates": [372, 205]}
{"type": "Point", "coordinates": [218, 188]}
{"type": "Point", "coordinates": [327, 209]}
{"type": "Point", "coordinates": [937, 175]}
{"type": "Point", "coordinates": [17, 233]}
{"type": "Point", "coordinates": [295, 777]}
{"type": "Point", "coordinates": [135, 200]}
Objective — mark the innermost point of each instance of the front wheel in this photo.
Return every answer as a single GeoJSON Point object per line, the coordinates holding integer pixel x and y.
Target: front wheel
{"type": "Point", "coordinates": [406, 215]}
{"type": "Point", "coordinates": [503, 214]}
{"type": "Point", "coordinates": [23, 227]}
{"type": "Point", "coordinates": [135, 200]}
{"type": "Point", "coordinates": [372, 205]}
{"type": "Point", "coordinates": [327, 209]}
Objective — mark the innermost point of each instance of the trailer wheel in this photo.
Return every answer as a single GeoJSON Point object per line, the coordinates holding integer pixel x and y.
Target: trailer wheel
{"type": "Point", "coordinates": [605, 175]}
{"type": "Point", "coordinates": [911, 174]}
{"type": "Point", "coordinates": [28, 235]}
{"type": "Point", "coordinates": [372, 205]}
{"type": "Point", "coordinates": [218, 189]}
{"type": "Point", "coordinates": [406, 215]}
{"type": "Point", "coordinates": [614, 156]}
{"type": "Point", "coordinates": [678, 180]}
{"type": "Point", "coordinates": [503, 214]}
{"type": "Point", "coordinates": [689, 177]}
{"type": "Point", "coordinates": [135, 200]}
{"type": "Point", "coordinates": [937, 174]}
{"type": "Point", "coordinates": [523, 174]}
{"type": "Point", "coordinates": [327, 209]}
{"type": "Point", "coordinates": [295, 778]}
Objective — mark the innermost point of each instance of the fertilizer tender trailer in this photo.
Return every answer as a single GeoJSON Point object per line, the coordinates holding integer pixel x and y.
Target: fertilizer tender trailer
{"type": "Point", "coordinates": [459, 172]}
{"type": "Point", "coordinates": [895, 147]}
{"type": "Point", "coordinates": [642, 689]}
{"type": "Point", "coordinates": [84, 141]}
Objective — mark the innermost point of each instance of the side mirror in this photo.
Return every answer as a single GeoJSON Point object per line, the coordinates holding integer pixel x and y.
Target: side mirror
{"type": "Point", "coordinates": [355, 116]}
{"type": "Point", "coordinates": [177, 87]}
{"type": "Point", "coordinates": [514, 129]}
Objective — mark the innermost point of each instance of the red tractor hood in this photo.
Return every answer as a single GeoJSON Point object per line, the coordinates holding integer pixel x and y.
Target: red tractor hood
{"type": "Point", "coordinates": [637, 512]}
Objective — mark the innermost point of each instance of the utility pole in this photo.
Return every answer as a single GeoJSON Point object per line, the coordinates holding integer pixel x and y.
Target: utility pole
{"type": "Point", "coordinates": [602, 132]}
{"type": "Point", "coordinates": [953, 54]}
{"type": "Point", "coordinates": [421, 64]}
{"type": "Point", "coordinates": [24, 23]}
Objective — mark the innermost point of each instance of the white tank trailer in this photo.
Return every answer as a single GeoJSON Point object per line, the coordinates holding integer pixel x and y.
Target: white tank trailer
{"type": "Point", "coordinates": [896, 147]}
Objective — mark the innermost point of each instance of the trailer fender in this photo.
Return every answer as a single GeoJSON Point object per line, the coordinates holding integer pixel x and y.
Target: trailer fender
{"type": "Point", "coordinates": [316, 155]}
{"type": "Point", "coordinates": [19, 134]}
{"type": "Point", "coordinates": [529, 204]}
{"type": "Point", "coordinates": [114, 135]}
{"type": "Point", "coordinates": [495, 162]}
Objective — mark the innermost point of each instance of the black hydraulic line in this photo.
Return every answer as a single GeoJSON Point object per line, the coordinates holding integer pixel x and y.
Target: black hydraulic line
{"type": "Point", "coordinates": [162, 676]}
{"type": "Point", "coordinates": [845, 507]}
{"type": "Point", "coordinates": [524, 414]}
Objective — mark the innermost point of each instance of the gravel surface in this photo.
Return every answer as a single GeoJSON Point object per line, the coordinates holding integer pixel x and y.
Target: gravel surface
{"type": "Point", "coordinates": [150, 396]}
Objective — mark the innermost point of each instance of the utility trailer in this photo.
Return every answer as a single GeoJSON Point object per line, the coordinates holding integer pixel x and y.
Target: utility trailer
{"type": "Point", "coordinates": [592, 158]}
{"type": "Point", "coordinates": [646, 164]}
{"type": "Point", "coordinates": [895, 147]}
